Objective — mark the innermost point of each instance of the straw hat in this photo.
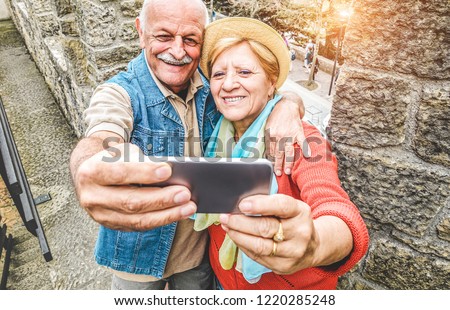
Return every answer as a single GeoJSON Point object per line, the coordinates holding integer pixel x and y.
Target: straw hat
{"type": "Point", "coordinates": [247, 28]}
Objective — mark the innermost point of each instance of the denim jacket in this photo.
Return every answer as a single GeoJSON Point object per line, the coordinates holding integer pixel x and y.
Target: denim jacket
{"type": "Point", "coordinates": [158, 131]}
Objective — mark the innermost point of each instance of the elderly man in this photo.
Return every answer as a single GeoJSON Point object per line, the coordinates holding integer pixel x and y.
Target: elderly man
{"type": "Point", "coordinates": [160, 106]}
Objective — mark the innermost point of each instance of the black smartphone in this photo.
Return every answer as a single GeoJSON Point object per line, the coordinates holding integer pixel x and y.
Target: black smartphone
{"type": "Point", "coordinates": [218, 185]}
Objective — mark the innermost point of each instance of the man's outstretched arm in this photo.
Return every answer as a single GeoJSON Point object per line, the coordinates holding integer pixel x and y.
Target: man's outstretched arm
{"type": "Point", "coordinates": [284, 128]}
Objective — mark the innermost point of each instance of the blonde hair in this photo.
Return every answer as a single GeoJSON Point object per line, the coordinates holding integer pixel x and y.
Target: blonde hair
{"type": "Point", "coordinates": [266, 58]}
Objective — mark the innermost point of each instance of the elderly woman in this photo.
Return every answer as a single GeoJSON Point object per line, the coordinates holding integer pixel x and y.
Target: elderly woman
{"type": "Point", "coordinates": [316, 234]}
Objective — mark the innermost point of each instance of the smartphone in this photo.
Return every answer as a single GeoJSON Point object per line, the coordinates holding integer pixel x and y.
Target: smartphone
{"type": "Point", "coordinates": [218, 185]}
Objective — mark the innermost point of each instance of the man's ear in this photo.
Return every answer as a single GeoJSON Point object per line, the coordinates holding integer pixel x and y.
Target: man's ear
{"type": "Point", "coordinates": [140, 32]}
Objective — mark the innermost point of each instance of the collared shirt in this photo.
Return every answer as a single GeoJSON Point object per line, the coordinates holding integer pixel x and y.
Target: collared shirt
{"type": "Point", "coordinates": [187, 112]}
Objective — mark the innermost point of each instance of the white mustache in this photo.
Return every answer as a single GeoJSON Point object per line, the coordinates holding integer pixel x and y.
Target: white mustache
{"type": "Point", "coordinates": [168, 58]}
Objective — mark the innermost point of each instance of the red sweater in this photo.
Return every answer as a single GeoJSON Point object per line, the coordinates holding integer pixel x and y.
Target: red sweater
{"type": "Point", "coordinates": [314, 181]}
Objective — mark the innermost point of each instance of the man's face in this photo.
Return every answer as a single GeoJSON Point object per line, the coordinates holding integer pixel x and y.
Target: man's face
{"type": "Point", "coordinates": [172, 39]}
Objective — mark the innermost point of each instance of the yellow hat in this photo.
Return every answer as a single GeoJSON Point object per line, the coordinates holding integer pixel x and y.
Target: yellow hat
{"type": "Point", "coordinates": [246, 28]}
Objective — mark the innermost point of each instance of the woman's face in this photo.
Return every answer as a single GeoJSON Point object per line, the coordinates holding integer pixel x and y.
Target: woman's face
{"type": "Point", "coordinates": [240, 86]}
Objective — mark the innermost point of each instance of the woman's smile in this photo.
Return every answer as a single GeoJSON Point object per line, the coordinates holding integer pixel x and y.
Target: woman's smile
{"type": "Point", "coordinates": [233, 99]}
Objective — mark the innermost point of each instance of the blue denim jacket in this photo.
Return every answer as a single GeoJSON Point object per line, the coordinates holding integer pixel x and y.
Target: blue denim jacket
{"type": "Point", "coordinates": [158, 131]}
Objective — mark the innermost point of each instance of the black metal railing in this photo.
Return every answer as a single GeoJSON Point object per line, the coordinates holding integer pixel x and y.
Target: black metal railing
{"type": "Point", "coordinates": [6, 242]}
{"type": "Point", "coordinates": [14, 177]}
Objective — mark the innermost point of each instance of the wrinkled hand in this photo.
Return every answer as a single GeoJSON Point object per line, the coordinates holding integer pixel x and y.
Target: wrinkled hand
{"type": "Point", "coordinates": [253, 234]}
{"type": "Point", "coordinates": [107, 186]}
{"type": "Point", "coordinates": [284, 129]}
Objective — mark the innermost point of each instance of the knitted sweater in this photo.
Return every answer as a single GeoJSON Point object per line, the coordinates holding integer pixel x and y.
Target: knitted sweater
{"type": "Point", "coordinates": [314, 181]}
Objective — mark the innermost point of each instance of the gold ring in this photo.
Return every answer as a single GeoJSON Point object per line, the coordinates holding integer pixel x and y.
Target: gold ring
{"type": "Point", "coordinates": [279, 236]}
{"type": "Point", "coordinates": [274, 249]}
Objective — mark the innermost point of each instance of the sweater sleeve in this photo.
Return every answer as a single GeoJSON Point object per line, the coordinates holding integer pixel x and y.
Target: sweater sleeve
{"type": "Point", "coordinates": [319, 185]}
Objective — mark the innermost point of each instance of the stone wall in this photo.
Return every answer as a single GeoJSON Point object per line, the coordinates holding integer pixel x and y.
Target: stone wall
{"type": "Point", "coordinates": [390, 128]}
{"type": "Point", "coordinates": [389, 122]}
{"type": "Point", "coordinates": [77, 44]}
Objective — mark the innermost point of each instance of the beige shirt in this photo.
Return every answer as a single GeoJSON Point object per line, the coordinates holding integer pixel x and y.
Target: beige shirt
{"type": "Point", "coordinates": [110, 110]}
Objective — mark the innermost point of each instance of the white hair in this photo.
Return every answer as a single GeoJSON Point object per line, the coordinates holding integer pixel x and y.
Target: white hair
{"type": "Point", "coordinates": [144, 9]}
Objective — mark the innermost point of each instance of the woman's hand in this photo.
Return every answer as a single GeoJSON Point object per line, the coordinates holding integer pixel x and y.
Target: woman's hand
{"type": "Point", "coordinates": [253, 234]}
{"type": "Point", "coordinates": [307, 242]}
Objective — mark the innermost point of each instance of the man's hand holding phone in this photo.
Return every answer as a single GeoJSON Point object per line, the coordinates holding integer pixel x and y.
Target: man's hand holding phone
{"type": "Point", "coordinates": [107, 188]}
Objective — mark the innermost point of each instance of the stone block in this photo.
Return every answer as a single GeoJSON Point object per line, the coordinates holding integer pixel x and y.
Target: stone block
{"type": "Point", "coordinates": [64, 7]}
{"type": "Point", "coordinates": [107, 73]}
{"type": "Point", "coordinates": [115, 56]}
{"type": "Point", "coordinates": [131, 8]}
{"type": "Point", "coordinates": [55, 55]}
{"type": "Point", "coordinates": [398, 267]}
{"type": "Point", "coordinates": [93, 74]}
{"type": "Point", "coordinates": [408, 36]}
{"type": "Point", "coordinates": [86, 94]}
{"type": "Point", "coordinates": [128, 31]}
{"type": "Point", "coordinates": [97, 23]}
{"type": "Point", "coordinates": [69, 25]}
{"type": "Point", "coordinates": [369, 110]}
{"type": "Point", "coordinates": [426, 245]}
{"type": "Point", "coordinates": [351, 281]}
{"type": "Point", "coordinates": [40, 6]}
{"type": "Point", "coordinates": [432, 137]}
{"type": "Point", "coordinates": [75, 55]}
{"type": "Point", "coordinates": [443, 229]}
{"type": "Point", "coordinates": [48, 24]}
{"type": "Point", "coordinates": [394, 187]}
